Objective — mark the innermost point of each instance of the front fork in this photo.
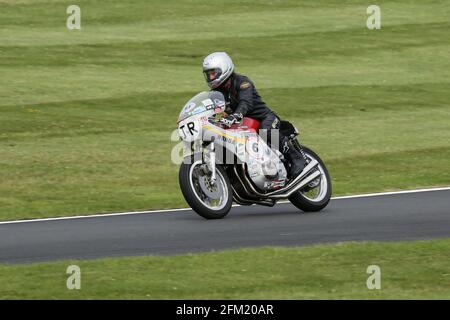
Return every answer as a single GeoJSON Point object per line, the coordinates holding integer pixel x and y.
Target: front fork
{"type": "Point", "coordinates": [208, 153]}
{"type": "Point", "coordinates": [212, 162]}
{"type": "Point", "coordinates": [209, 158]}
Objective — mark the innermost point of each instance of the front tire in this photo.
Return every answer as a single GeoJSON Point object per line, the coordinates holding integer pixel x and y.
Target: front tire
{"type": "Point", "coordinates": [302, 200]}
{"type": "Point", "coordinates": [211, 201]}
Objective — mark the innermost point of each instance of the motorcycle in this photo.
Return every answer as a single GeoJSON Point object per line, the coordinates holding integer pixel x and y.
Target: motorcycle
{"type": "Point", "coordinates": [225, 164]}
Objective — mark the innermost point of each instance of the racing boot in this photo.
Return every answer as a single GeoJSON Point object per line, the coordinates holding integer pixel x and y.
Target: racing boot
{"type": "Point", "coordinates": [296, 161]}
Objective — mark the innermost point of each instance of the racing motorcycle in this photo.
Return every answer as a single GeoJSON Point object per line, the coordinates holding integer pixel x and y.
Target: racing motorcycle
{"type": "Point", "coordinates": [225, 164]}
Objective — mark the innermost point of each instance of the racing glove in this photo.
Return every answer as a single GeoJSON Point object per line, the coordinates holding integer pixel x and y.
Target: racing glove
{"type": "Point", "coordinates": [231, 119]}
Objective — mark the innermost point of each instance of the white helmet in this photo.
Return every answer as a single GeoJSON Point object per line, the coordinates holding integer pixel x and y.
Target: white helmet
{"type": "Point", "coordinates": [217, 68]}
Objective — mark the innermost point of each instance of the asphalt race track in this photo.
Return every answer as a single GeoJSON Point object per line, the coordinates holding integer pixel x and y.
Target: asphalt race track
{"type": "Point", "coordinates": [409, 216]}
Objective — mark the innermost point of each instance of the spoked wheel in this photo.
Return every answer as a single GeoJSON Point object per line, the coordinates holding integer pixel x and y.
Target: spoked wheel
{"type": "Point", "coordinates": [211, 200]}
{"type": "Point", "coordinates": [316, 195]}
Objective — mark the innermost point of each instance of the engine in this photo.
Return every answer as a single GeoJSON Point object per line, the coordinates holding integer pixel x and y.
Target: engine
{"type": "Point", "coordinates": [264, 166]}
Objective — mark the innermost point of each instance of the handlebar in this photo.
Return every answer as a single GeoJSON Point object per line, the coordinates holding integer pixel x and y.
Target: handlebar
{"type": "Point", "coordinates": [219, 124]}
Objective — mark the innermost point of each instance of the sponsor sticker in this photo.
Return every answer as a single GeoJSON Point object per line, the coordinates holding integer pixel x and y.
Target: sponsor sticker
{"type": "Point", "coordinates": [245, 85]}
{"type": "Point", "coordinates": [208, 103]}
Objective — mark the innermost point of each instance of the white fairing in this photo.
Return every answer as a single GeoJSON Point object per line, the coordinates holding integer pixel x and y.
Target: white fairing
{"type": "Point", "coordinates": [265, 168]}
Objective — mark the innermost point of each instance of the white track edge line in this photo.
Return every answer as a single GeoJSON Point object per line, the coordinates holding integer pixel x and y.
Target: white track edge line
{"type": "Point", "coordinates": [236, 205]}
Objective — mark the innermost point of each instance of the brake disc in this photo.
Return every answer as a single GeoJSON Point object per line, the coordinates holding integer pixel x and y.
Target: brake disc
{"type": "Point", "coordinates": [211, 191]}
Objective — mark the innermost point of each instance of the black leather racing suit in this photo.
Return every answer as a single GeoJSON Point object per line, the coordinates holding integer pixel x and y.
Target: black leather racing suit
{"type": "Point", "coordinates": [243, 98]}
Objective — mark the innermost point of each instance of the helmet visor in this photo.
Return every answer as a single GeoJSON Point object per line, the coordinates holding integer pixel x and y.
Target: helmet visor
{"type": "Point", "coordinates": [212, 74]}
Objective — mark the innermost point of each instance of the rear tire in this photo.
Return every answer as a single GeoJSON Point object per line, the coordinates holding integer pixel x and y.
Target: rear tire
{"type": "Point", "coordinates": [193, 194]}
{"type": "Point", "coordinates": [302, 202]}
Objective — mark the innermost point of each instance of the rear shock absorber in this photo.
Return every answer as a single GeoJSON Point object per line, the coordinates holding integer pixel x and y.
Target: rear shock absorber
{"type": "Point", "coordinates": [299, 147]}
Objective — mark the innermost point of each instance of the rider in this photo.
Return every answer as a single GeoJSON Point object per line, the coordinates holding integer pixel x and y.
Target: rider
{"type": "Point", "coordinates": [243, 100]}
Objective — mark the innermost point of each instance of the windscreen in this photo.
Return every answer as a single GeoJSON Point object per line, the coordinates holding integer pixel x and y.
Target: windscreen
{"type": "Point", "coordinates": [211, 101]}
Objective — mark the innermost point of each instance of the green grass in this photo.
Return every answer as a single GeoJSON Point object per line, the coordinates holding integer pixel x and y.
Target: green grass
{"type": "Point", "coordinates": [409, 270]}
{"type": "Point", "coordinates": [86, 116]}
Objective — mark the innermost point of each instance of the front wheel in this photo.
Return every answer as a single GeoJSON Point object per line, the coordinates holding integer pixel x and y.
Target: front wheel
{"type": "Point", "coordinates": [316, 195]}
{"type": "Point", "coordinates": [209, 200]}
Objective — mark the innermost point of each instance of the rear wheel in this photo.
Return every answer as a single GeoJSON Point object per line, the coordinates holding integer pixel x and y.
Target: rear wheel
{"type": "Point", "coordinates": [316, 195]}
{"type": "Point", "coordinates": [209, 200]}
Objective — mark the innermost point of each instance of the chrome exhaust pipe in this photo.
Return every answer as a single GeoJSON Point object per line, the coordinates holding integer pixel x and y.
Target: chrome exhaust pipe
{"type": "Point", "coordinates": [253, 194]}
{"type": "Point", "coordinates": [252, 199]}
{"type": "Point", "coordinates": [293, 186]}
{"type": "Point", "coordinates": [294, 182]}
{"type": "Point", "coordinates": [247, 202]}
{"type": "Point", "coordinates": [303, 183]}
